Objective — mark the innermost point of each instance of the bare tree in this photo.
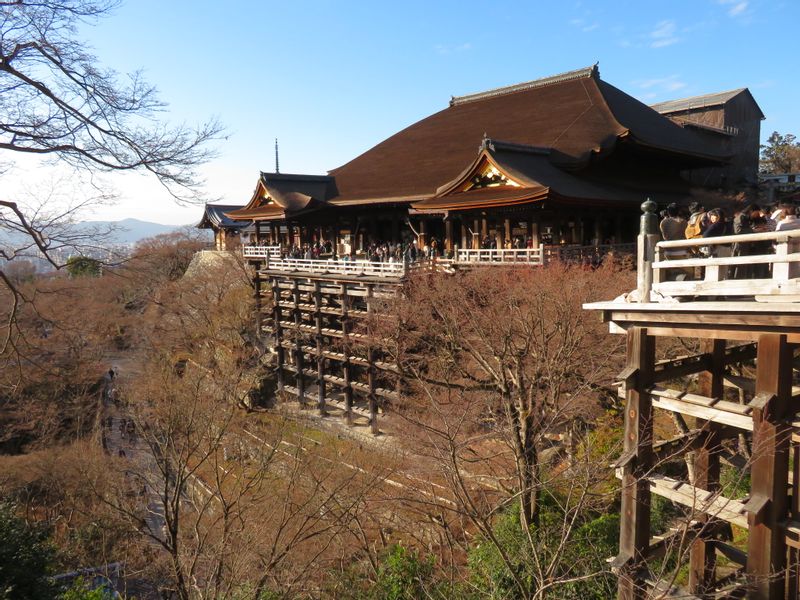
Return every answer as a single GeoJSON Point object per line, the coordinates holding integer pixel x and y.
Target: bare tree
{"type": "Point", "coordinates": [499, 364]}
{"type": "Point", "coordinates": [58, 101]}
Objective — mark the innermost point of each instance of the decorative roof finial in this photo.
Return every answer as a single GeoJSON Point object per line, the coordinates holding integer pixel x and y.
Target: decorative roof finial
{"type": "Point", "coordinates": [277, 165]}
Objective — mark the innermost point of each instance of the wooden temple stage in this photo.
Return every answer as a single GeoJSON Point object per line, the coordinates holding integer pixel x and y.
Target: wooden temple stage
{"type": "Point", "coordinates": [753, 316]}
{"type": "Point", "coordinates": [319, 310]}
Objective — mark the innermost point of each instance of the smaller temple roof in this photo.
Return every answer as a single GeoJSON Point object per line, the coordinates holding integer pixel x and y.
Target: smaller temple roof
{"type": "Point", "coordinates": [282, 195]}
{"type": "Point", "coordinates": [524, 175]}
{"type": "Point", "coordinates": [215, 217]}
{"type": "Point", "coordinates": [702, 101]}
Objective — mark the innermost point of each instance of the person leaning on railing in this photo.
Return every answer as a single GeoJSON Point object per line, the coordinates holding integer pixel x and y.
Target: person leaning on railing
{"type": "Point", "coordinates": [673, 227]}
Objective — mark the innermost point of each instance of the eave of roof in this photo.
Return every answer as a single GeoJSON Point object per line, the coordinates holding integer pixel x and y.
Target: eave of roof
{"type": "Point", "coordinates": [214, 217]}
{"type": "Point", "coordinates": [488, 197]}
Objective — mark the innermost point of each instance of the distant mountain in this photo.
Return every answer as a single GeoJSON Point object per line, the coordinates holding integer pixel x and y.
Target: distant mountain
{"type": "Point", "coordinates": [126, 231]}
{"type": "Point", "coordinates": [129, 231]}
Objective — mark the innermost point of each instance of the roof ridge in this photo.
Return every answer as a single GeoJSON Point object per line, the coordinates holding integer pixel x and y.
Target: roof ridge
{"type": "Point", "coordinates": [699, 96]}
{"type": "Point", "coordinates": [592, 71]}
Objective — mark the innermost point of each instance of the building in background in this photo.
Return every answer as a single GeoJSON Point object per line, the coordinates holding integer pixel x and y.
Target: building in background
{"type": "Point", "coordinates": [563, 160]}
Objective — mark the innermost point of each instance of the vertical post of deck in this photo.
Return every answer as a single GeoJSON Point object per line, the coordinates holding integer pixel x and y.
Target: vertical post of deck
{"type": "Point", "coordinates": [767, 507]}
{"type": "Point", "coordinates": [476, 234]}
{"type": "Point", "coordinates": [634, 539]}
{"type": "Point", "coordinates": [257, 298]}
{"type": "Point", "coordinates": [702, 560]}
{"type": "Point", "coordinates": [278, 330]}
{"type": "Point", "coordinates": [320, 357]}
{"type": "Point", "coordinates": [646, 246]}
{"type": "Point", "coordinates": [372, 397]}
{"type": "Point", "coordinates": [793, 569]}
{"type": "Point", "coordinates": [346, 374]}
{"type": "Point", "coordinates": [299, 363]}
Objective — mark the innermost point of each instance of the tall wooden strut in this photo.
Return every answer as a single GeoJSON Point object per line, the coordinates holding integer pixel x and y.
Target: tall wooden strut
{"type": "Point", "coordinates": [762, 561]}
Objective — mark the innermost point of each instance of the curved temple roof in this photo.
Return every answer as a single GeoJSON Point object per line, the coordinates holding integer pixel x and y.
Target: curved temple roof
{"type": "Point", "coordinates": [577, 115]}
{"type": "Point", "coordinates": [214, 217]}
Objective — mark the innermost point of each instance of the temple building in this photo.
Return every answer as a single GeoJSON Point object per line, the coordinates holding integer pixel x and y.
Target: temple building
{"type": "Point", "coordinates": [227, 232]}
{"type": "Point", "coordinates": [566, 159]}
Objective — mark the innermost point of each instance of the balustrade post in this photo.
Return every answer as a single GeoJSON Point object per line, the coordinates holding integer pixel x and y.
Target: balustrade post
{"type": "Point", "coordinates": [646, 244]}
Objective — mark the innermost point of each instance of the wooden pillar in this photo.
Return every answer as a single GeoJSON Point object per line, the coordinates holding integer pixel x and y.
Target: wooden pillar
{"type": "Point", "coordinates": [793, 569]}
{"type": "Point", "coordinates": [299, 363]}
{"type": "Point", "coordinates": [534, 232]}
{"type": "Point", "coordinates": [464, 234]}
{"type": "Point", "coordinates": [257, 298]}
{"type": "Point", "coordinates": [768, 506]}
{"type": "Point", "coordinates": [373, 399]}
{"type": "Point", "coordinates": [448, 235]}
{"type": "Point", "coordinates": [320, 357]}
{"type": "Point", "coordinates": [346, 369]}
{"type": "Point", "coordinates": [498, 235]}
{"type": "Point", "coordinates": [277, 328]}
{"type": "Point", "coordinates": [423, 234]}
{"type": "Point", "coordinates": [506, 232]}
{"type": "Point", "coordinates": [258, 233]}
{"type": "Point", "coordinates": [636, 461]}
{"type": "Point", "coordinates": [484, 228]}
{"type": "Point", "coordinates": [702, 559]}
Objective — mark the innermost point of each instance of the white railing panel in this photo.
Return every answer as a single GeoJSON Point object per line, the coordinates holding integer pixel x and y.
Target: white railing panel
{"type": "Point", "coordinates": [500, 255]}
{"type": "Point", "coordinates": [705, 267]}
{"type": "Point", "coordinates": [261, 251]}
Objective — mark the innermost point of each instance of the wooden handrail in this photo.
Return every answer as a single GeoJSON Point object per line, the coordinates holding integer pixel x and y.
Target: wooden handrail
{"type": "Point", "coordinates": [770, 236]}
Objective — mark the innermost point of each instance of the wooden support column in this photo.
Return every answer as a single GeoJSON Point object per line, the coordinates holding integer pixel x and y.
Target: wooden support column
{"type": "Point", "coordinates": [636, 462]}
{"type": "Point", "coordinates": [320, 357]}
{"type": "Point", "coordinates": [534, 232]}
{"type": "Point", "coordinates": [448, 235]}
{"type": "Point", "coordinates": [793, 569]}
{"type": "Point", "coordinates": [506, 232]}
{"type": "Point", "coordinates": [346, 369]}
{"type": "Point", "coordinates": [702, 560]}
{"type": "Point", "coordinates": [476, 234]}
{"type": "Point", "coordinates": [373, 398]}
{"type": "Point", "coordinates": [423, 234]}
{"type": "Point", "coordinates": [299, 363]}
{"type": "Point", "coordinates": [768, 506]}
{"type": "Point", "coordinates": [257, 298]}
{"type": "Point", "coordinates": [277, 317]}
{"type": "Point", "coordinates": [258, 233]}
{"type": "Point", "coordinates": [462, 226]}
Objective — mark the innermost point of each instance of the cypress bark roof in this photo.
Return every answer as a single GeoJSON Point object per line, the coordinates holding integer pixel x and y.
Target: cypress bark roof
{"type": "Point", "coordinates": [576, 114]}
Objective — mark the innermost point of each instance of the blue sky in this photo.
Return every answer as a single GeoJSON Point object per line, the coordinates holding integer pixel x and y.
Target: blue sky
{"type": "Point", "coordinates": [332, 78]}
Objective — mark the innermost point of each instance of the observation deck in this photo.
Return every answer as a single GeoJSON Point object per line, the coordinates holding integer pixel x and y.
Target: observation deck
{"type": "Point", "coordinates": [739, 295]}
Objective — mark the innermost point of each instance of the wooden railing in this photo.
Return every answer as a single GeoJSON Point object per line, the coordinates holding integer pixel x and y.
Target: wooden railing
{"type": "Point", "coordinates": [520, 256]}
{"type": "Point", "coordinates": [261, 251]}
{"type": "Point", "coordinates": [579, 254]}
{"type": "Point", "coordinates": [343, 267]}
{"type": "Point", "coordinates": [765, 265]}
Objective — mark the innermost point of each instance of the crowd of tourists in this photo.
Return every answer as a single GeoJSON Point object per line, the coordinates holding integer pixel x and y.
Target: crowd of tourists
{"type": "Point", "coordinates": [698, 222]}
{"type": "Point", "coordinates": [408, 252]}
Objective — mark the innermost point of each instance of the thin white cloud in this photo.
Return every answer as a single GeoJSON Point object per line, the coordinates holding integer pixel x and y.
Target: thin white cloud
{"type": "Point", "coordinates": [664, 34]}
{"type": "Point", "coordinates": [659, 86]}
{"type": "Point", "coordinates": [452, 48]}
{"type": "Point", "coordinates": [736, 8]}
{"type": "Point", "coordinates": [591, 27]}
